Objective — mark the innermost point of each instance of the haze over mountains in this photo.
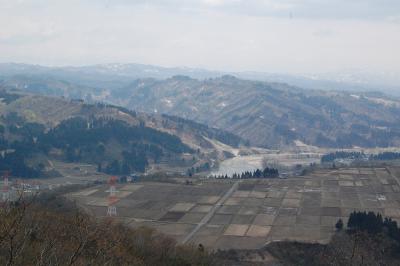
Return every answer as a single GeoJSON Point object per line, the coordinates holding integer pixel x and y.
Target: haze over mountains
{"type": "Point", "coordinates": [267, 114]}
{"type": "Point", "coordinates": [114, 75]}
{"type": "Point", "coordinates": [200, 132]}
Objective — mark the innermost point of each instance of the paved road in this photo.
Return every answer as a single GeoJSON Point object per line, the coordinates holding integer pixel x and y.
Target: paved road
{"type": "Point", "coordinates": [210, 214]}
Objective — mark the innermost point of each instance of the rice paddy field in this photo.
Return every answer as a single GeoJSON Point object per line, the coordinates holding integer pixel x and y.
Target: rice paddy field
{"type": "Point", "coordinates": [247, 214]}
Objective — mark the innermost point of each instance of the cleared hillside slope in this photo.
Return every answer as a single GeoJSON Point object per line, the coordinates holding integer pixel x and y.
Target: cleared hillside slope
{"type": "Point", "coordinates": [34, 126]}
{"type": "Point", "coordinates": [271, 114]}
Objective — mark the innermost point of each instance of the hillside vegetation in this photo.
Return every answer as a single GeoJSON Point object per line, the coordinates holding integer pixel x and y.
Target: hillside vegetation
{"type": "Point", "coordinates": [52, 231]}
{"type": "Point", "coordinates": [265, 114]}
{"type": "Point", "coordinates": [271, 114]}
{"type": "Point", "coordinates": [119, 141]}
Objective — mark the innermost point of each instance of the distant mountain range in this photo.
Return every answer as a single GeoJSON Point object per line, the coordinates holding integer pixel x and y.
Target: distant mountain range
{"type": "Point", "coordinates": [266, 114]}
{"type": "Point", "coordinates": [117, 75]}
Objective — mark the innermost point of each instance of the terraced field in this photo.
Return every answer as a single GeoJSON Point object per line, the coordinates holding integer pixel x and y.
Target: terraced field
{"type": "Point", "coordinates": [250, 213]}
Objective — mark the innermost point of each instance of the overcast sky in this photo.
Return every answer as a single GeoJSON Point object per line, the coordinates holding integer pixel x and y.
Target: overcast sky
{"type": "Point", "coordinates": [292, 36]}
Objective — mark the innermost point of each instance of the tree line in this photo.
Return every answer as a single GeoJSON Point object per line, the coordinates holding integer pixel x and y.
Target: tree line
{"type": "Point", "coordinates": [266, 173]}
{"type": "Point", "coordinates": [331, 157]}
{"type": "Point", "coordinates": [373, 223]}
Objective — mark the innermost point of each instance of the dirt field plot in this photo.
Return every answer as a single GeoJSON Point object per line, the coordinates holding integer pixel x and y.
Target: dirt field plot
{"type": "Point", "coordinates": [192, 218]}
{"type": "Point", "coordinates": [291, 203]}
{"type": "Point", "coordinates": [258, 194]}
{"type": "Point", "coordinates": [123, 194]}
{"type": "Point", "coordinates": [241, 194]}
{"type": "Point", "coordinates": [242, 219]}
{"type": "Point", "coordinates": [131, 187]}
{"type": "Point", "coordinates": [236, 230]}
{"type": "Point", "coordinates": [288, 211]}
{"type": "Point", "coordinates": [208, 199]}
{"type": "Point", "coordinates": [229, 209]}
{"type": "Point", "coordinates": [221, 219]}
{"type": "Point", "coordinates": [202, 208]}
{"type": "Point", "coordinates": [182, 207]}
{"type": "Point", "coordinates": [99, 202]}
{"type": "Point", "coordinates": [172, 216]}
{"type": "Point", "coordinates": [258, 231]}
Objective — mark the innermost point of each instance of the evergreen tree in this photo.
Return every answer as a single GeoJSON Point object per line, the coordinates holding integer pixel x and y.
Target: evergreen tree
{"type": "Point", "coordinates": [339, 225]}
{"type": "Point", "coordinates": [125, 169]}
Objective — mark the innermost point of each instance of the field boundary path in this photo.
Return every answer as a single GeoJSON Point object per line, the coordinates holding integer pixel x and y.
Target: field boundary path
{"type": "Point", "coordinates": [393, 175]}
{"type": "Point", "coordinates": [210, 214]}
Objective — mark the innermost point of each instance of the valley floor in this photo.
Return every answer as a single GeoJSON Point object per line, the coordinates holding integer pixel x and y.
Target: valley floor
{"type": "Point", "coordinates": [248, 214]}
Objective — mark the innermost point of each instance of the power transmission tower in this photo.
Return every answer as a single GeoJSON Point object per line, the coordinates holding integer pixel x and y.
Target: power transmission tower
{"type": "Point", "coordinates": [6, 191]}
{"type": "Point", "coordinates": [112, 197]}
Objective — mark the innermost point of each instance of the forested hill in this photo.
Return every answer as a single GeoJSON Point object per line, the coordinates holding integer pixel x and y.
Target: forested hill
{"type": "Point", "coordinates": [271, 114]}
{"type": "Point", "coordinates": [266, 114]}
{"type": "Point", "coordinates": [50, 111]}
{"type": "Point", "coordinates": [117, 140]}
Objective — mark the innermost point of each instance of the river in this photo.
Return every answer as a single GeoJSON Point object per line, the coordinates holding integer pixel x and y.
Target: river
{"type": "Point", "coordinates": [239, 164]}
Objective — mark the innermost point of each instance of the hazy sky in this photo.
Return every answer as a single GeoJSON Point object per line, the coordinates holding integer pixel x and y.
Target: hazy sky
{"type": "Point", "coordinates": [263, 35]}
